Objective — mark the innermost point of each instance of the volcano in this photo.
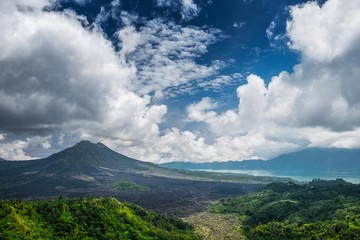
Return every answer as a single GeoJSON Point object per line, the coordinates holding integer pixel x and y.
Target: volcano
{"type": "Point", "coordinates": [92, 169]}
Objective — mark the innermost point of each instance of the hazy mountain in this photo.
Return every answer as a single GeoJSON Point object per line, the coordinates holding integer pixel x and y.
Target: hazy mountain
{"type": "Point", "coordinates": [310, 160]}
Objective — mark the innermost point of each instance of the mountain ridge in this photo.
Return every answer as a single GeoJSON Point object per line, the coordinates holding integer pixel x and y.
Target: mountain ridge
{"type": "Point", "coordinates": [95, 156]}
{"type": "Point", "coordinates": [312, 159]}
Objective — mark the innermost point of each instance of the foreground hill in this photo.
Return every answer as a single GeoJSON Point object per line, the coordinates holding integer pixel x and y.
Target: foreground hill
{"type": "Point", "coordinates": [89, 169]}
{"type": "Point", "coordinates": [318, 210]}
{"type": "Point", "coordinates": [90, 218]}
{"type": "Point", "coordinates": [310, 160]}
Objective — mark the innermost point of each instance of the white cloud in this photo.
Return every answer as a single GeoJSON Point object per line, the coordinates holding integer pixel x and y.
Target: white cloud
{"type": "Point", "coordinates": [16, 149]}
{"type": "Point", "coordinates": [187, 8]}
{"type": "Point", "coordinates": [164, 55]}
{"type": "Point", "coordinates": [270, 30]}
{"type": "Point", "coordinates": [57, 76]}
{"type": "Point", "coordinates": [219, 82]}
{"type": "Point", "coordinates": [239, 24]}
{"type": "Point", "coordinates": [48, 75]}
{"type": "Point", "coordinates": [196, 111]}
{"type": "Point", "coordinates": [328, 38]}
{"type": "Point", "coordinates": [327, 32]}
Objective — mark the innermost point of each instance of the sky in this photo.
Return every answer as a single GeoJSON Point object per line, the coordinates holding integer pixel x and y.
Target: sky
{"type": "Point", "coordinates": [179, 80]}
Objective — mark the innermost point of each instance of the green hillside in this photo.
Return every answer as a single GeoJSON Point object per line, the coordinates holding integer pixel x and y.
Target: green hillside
{"type": "Point", "coordinates": [319, 210]}
{"type": "Point", "coordinates": [90, 218]}
{"type": "Point", "coordinates": [128, 186]}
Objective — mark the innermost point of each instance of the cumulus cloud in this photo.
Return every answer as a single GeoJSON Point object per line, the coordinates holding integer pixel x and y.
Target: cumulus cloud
{"type": "Point", "coordinates": [315, 106]}
{"type": "Point", "coordinates": [58, 76]}
{"type": "Point", "coordinates": [324, 33]}
{"type": "Point", "coordinates": [16, 149]}
{"type": "Point", "coordinates": [328, 38]}
{"type": "Point", "coordinates": [47, 73]}
{"type": "Point", "coordinates": [197, 110]}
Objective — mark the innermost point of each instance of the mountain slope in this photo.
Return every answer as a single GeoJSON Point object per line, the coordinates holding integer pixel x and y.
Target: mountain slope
{"type": "Point", "coordinates": [84, 166]}
{"type": "Point", "coordinates": [309, 160]}
{"type": "Point", "coordinates": [83, 158]}
{"type": "Point", "coordinates": [89, 157]}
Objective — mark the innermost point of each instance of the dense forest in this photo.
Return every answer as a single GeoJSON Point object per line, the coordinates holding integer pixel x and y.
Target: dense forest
{"type": "Point", "coordinates": [318, 210]}
{"type": "Point", "coordinates": [88, 218]}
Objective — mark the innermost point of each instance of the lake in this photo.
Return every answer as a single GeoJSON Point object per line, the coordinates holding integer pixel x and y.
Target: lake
{"type": "Point", "coordinates": [296, 175]}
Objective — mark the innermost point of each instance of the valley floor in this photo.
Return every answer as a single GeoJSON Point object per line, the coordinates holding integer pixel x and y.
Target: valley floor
{"type": "Point", "coordinates": [174, 197]}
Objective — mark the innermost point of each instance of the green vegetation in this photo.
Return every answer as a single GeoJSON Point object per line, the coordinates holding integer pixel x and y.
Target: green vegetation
{"type": "Point", "coordinates": [90, 218]}
{"type": "Point", "coordinates": [128, 186]}
{"type": "Point", "coordinates": [318, 210]}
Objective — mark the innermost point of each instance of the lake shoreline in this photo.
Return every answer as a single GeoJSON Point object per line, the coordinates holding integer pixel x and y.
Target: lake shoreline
{"type": "Point", "coordinates": [296, 175]}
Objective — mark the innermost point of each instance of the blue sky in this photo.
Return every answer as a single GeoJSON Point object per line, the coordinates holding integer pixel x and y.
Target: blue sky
{"type": "Point", "coordinates": [179, 80]}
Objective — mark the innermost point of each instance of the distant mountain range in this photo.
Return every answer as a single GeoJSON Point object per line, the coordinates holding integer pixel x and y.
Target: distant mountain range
{"type": "Point", "coordinates": [309, 160]}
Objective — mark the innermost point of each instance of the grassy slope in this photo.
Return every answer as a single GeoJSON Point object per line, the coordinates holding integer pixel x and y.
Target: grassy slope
{"type": "Point", "coordinates": [103, 218]}
{"type": "Point", "coordinates": [126, 185]}
{"type": "Point", "coordinates": [319, 210]}
{"type": "Point", "coordinates": [215, 226]}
